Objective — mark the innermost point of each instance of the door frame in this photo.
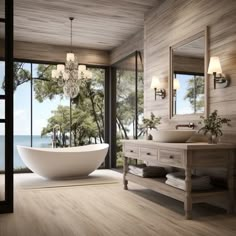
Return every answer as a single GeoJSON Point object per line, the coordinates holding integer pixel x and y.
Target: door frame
{"type": "Point", "coordinates": [7, 205]}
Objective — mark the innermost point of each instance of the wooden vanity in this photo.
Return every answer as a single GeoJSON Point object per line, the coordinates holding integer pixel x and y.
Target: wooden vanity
{"type": "Point", "coordinates": [187, 156]}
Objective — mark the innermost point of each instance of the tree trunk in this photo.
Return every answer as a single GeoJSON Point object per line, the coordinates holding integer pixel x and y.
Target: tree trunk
{"type": "Point", "coordinates": [123, 128]}
{"type": "Point", "coordinates": [95, 117]}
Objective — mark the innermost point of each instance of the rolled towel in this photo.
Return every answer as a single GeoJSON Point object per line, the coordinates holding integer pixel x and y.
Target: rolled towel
{"type": "Point", "coordinates": [177, 180]}
{"type": "Point", "coordinates": [147, 171]}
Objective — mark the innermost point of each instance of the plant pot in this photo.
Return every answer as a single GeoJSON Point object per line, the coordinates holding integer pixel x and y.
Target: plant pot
{"type": "Point", "coordinates": [148, 137]}
{"type": "Point", "coordinates": [213, 139]}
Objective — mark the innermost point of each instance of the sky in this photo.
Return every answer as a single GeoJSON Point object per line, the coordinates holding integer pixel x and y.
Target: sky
{"type": "Point", "coordinates": [183, 106]}
{"type": "Point", "coordinates": [41, 111]}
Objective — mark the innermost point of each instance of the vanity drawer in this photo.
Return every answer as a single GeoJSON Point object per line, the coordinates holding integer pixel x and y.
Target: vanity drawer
{"type": "Point", "coordinates": [171, 157]}
{"type": "Point", "coordinates": [131, 151]}
{"type": "Point", "coordinates": [148, 154]}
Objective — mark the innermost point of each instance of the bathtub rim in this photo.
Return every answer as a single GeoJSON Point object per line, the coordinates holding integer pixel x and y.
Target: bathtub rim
{"type": "Point", "coordinates": [84, 148]}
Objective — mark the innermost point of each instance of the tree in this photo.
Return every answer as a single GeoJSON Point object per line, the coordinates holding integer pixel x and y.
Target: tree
{"type": "Point", "coordinates": [44, 86]}
{"type": "Point", "coordinates": [125, 106]}
{"type": "Point", "coordinates": [59, 119]}
{"type": "Point", "coordinates": [126, 100]}
{"type": "Point", "coordinates": [21, 75]}
{"type": "Point", "coordinates": [194, 90]}
{"type": "Point", "coordinates": [90, 100]}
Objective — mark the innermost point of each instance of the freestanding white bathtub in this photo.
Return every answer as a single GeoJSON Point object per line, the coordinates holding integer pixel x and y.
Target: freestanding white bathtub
{"type": "Point", "coordinates": [62, 163]}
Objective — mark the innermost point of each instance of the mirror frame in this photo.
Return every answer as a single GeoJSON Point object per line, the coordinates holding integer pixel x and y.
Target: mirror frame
{"type": "Point", "coordinates": [202, 33]}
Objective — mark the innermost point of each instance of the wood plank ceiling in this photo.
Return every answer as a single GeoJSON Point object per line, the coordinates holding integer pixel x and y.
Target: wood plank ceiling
{"type": "Point", "coordinates": [98, 24]}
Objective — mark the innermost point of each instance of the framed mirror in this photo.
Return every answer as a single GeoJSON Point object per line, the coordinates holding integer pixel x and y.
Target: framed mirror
{"type": "Point", "coordinates": [188, 77]}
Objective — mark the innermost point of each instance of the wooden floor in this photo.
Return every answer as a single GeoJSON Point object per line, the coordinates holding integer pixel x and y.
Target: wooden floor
{"type": "Point", "coordinates": [109, 210]}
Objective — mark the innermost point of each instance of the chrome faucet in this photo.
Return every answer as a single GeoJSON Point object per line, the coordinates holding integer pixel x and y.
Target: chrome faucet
{"type": "Point", "coordinates": [189, 125]}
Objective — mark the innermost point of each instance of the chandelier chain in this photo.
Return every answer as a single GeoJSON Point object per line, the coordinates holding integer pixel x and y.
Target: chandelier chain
{"type": "Point", "coordinates": [71, 20]}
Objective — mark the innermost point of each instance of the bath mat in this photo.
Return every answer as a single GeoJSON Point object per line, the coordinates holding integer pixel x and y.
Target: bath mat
{"type": "Point", "coordinates": [34, 181]}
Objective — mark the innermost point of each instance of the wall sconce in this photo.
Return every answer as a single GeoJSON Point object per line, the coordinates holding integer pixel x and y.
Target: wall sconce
{"type": "Point", "coordinates": [156, 85]}
{"type": "Point", "coordinates": [176, 84]}
{"type": "Point", "coordinates": [214, 69]}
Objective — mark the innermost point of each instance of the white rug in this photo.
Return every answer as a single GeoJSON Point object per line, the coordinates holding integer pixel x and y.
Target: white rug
{"type": "Point", "coordinates": [34, 181]}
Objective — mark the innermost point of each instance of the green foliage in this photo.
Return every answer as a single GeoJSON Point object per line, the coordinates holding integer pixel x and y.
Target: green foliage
{"type": "Point", "coordinates": [213, 124]}
{"type": "Point", "coordinates": [21, 75]}
{"type": "Point", "coordinates": [125, 100]}
{"type": "Point", "coordinates": [195, 88]}
{"type": "Point", "coordinates": [151, 123]}
{"type": "Point", "coordinates": [44, 86]}
{"type": "Point", "coordinates": [87, 107]}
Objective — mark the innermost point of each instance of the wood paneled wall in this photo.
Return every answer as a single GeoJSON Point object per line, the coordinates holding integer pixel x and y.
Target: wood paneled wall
{"type": "Point", "coordinates": [52, 53]}
{"type": "Point", "coordinates": [136, 42]}
{"type": "Point", "coordinates": [176, 20]}
{"type": "Point", "coordinates": [188, 64]}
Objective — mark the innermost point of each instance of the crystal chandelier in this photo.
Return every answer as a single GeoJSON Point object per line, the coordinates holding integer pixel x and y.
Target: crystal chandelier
{"type": "Point", "coordinates": [69, 75]}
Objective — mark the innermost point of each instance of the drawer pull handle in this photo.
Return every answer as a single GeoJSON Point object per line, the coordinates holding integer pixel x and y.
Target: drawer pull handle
{"type": "Point", "coordinates": [131, 151]}
{"type": "Point", "coordinates": [171, 157]}
{"type": "Point", "coordinates": [148, 153]}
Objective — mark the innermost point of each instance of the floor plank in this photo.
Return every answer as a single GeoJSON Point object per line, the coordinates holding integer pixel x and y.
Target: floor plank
{"type": "Point", "coordinates": [109, 210]}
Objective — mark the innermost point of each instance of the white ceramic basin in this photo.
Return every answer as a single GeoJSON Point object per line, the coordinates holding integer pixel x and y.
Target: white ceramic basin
{"type": "Point", "coordinates": [171, 136]}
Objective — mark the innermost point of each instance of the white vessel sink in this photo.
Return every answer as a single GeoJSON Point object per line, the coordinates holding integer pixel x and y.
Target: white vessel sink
{"type": "Point", "coordinates": [171, 136]}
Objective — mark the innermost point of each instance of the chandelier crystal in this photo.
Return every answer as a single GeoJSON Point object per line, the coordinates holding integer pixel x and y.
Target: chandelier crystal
{"type": "Point", "coordinates": [71, 74]}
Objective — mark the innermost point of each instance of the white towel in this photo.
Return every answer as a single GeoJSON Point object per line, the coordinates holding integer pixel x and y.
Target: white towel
{"type": "Point", "coordinates": [147, 171]}
{"type": "Point", "coordinates": [177, 180]}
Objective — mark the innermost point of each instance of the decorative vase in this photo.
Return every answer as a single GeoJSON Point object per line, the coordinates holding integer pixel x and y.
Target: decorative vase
{"type": "Point", "coordinates": [148, 136]}
{"type": "Point", "coordinates": [213, 139]}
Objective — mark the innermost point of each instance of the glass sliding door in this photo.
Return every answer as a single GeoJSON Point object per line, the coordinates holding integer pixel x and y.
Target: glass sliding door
{"type": "Point", "coordinates": [125, 104]}
{"type": "Point", "coordinates": [22, 110]}
{"type": "Point", "coordinates": [2, 116]}
{"type": "Point", "coordinates": [140, 95]}
{"type": "Point", "coordinates": [2, 162]}
{"type": "Point", "coordinates": [6, 106]}
{"type": "Point", "coordinates": [129, 100]}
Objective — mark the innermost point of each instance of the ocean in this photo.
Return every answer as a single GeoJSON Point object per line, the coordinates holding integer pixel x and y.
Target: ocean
{"type": "Point", "coordinates": [23, 140]}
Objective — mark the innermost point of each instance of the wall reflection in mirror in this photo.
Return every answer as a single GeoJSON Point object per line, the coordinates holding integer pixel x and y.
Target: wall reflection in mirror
{"type": "Point", "coordinates": [188, 80]}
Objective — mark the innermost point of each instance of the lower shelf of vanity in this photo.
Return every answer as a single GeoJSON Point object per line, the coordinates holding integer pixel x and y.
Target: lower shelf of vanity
{"type": "Point", "coordinates": [158, 185]}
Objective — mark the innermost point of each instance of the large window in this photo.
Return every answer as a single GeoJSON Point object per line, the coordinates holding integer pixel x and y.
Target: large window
{"type": "Point", "coordinates": [22, 110]}
{"type": "Point", "coordinates": [129, 101]}
{"type": "Point", "coordinates": [44, 117]}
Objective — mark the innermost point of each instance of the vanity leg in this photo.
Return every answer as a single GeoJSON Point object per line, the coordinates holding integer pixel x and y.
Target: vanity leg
{"type": "Point", "coordinates": [125, 170]}
{"type": "Point", "coordinates": [230, 182]}
{"type": "Point", "coordinates": [188, 197]}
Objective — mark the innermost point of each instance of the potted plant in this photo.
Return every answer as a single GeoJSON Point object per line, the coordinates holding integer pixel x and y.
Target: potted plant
{"type": "Point", "coordinates": [212, 126]}
{"type": "Point", "coordinates": [149, 124]}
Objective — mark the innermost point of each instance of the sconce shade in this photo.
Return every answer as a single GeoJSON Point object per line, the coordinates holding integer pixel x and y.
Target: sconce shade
{"type": "Point", "coordinates": [176, 84]}
{"type": "Point", "coordinates": [214, 66]}
{"type": "Point", "coordinates": [156, 84]}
